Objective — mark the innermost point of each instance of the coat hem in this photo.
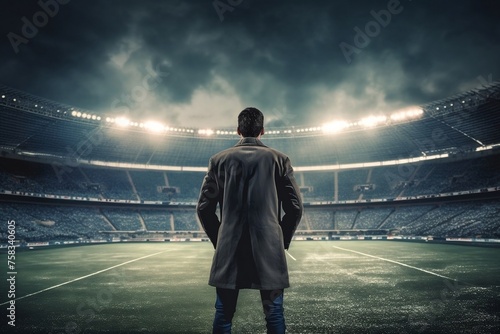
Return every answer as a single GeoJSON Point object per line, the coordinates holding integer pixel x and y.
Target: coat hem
{"type": "Point", "coordinates": [248, 286]}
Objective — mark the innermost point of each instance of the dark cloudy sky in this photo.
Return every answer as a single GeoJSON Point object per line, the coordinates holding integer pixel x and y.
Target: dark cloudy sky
{"type": "Point", "coordinates": [187, 63]}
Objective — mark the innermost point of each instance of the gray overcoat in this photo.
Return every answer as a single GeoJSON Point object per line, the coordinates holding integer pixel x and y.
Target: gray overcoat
{"type": "Point", "coordinates": [251, 183]}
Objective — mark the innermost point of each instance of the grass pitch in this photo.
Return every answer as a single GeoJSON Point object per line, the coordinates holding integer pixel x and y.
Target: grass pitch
{"type": "Point", "coordinates": [337, 287]}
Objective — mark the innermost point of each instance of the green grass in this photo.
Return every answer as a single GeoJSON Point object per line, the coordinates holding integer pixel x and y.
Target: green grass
{"type": "Point", "coordinates": [333, 290]}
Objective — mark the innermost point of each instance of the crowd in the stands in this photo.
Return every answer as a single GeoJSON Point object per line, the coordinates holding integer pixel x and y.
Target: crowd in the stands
{"type": "Point", "coordinates": [35, 222]}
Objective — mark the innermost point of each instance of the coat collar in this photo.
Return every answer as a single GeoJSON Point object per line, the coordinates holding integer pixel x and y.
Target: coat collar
{"type": "Point", "coordinates": [249, 141]}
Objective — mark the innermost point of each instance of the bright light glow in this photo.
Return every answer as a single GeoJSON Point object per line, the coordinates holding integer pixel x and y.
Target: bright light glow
{"type": "Point", "coordinates": [406, 114]}
{"type": "Point", "coordinates": [155, 127]}
{"type": "Point", "coordinates": [73, 113]}
{"type": "Point", "coordinates": [78, 114]}
{"type": "Point", "coordinates": [122, 121]}
{"type": "Point", "coordinates": [489, 147]}
{"type": "Point", "coordinates": [334, 127]}
{"type": "Point", "coordinates": [372, 121]}
{"type": "Point", "coordinates": [206, 132]}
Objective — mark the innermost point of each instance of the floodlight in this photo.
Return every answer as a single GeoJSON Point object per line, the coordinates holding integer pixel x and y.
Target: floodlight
{"type": "Point", "coordinates": [372, 121]}
{"type": "Point", "coordinates": [334, 127]}
{"type": "Point", "coordinates": [122, 121]}
{"type": "Point", "coordinates": [408, 113]}
{"type": "Point", "coordinates": [206, 132]}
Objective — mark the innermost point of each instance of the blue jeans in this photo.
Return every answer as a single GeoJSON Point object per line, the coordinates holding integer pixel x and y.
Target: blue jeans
{"type": "Point", "coordinates": [225, 307]}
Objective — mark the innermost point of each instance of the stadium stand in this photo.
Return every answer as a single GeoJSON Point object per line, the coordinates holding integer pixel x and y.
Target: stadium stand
{"type": "Point", "coordinates": [66, 177]}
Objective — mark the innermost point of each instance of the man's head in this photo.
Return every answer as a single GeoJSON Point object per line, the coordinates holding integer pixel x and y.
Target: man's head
{"type": "Point", "coordinates": [251, 122]}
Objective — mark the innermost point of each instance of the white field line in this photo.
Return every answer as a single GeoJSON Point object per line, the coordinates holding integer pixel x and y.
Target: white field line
{"type": "Point", "coordinates": [291, 255]}
{"type": "Point", "coordinates": [82, 277]}
{"type": "Point", "coordinates": [400, 263]}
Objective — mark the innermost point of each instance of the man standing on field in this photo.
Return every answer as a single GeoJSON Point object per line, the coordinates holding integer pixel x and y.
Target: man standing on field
{"type": "Point", "coordinates": [252, 183]}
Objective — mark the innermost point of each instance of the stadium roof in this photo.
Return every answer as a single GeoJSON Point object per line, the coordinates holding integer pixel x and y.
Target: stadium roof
{"type": "Point", "coordinates": [36, 127]}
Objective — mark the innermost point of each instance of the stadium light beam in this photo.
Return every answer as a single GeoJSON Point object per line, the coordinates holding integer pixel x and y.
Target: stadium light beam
{"type": "Point", "coordinates": [407, 114]}
{"type": "Point", "coordinates": [334, 127]}
{"type": "Point", "coordinates": [206, 132]}
{"type": "Point", "coordinates": [372, 121]}
{"type": "Point", "coordinates": [154, 127]}
{"type": "Point", "coordinates": [122, 121]}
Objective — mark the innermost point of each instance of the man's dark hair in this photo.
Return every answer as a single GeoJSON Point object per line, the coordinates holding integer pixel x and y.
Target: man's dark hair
{"type": "Point", "coordinates": [250, 122]}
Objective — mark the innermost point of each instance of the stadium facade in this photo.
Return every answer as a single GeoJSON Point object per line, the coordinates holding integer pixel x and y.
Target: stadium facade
{"type": "Point", "coordinates": [73, 175]}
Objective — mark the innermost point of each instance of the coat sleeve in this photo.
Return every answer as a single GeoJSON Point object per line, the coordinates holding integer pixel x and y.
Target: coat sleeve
{"type": "Point", "coordinates": [207, 205]}
{"type": "Point", "coordinates": [291, 202]}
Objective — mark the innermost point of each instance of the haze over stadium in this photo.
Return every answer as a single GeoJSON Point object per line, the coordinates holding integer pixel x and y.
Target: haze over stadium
{"type": "Point", "coordinates": [303, 63]}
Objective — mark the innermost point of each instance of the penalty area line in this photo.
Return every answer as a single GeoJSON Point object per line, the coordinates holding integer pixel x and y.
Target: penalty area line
{"type": "Point", "coordinates": [291, 255]}
{"type": "Point", "coordinates": [399, 263]}
{"type": "Point", "coordinates": [82, 277]}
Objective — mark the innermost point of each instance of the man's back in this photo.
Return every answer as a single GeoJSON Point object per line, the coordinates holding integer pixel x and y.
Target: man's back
{"type": "Point", "coordinates": [250, 181]}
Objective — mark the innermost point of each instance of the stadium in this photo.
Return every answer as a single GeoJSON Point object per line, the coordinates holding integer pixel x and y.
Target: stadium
{"type": "Point", "coordinates": [106, 231]}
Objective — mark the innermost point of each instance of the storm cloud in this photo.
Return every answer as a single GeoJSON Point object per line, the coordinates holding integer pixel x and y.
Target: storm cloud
{"type": "Point", "coordinates": [198, 63]}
